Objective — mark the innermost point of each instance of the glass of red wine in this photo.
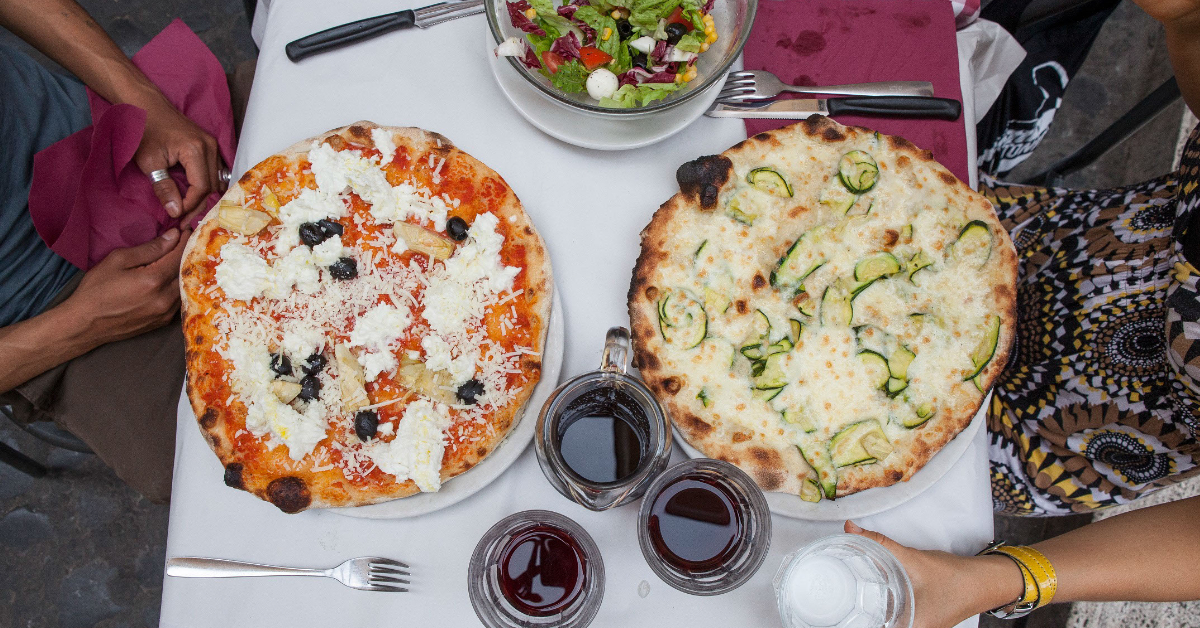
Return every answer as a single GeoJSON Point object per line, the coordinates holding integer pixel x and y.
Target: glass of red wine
{"type": "Point", "coordinates": [536, 569]}
{"type": "Point", "coordinates": [704, 527]}
{"type": "Point", "coordinates": [602, 438]}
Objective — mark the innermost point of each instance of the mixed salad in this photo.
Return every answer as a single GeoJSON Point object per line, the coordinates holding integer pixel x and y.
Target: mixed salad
{"type": "Point", "coordinates": [623, 53]}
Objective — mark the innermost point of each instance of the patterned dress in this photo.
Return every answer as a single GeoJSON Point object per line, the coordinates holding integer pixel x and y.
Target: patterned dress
{"type": "Point", "coordinates": [1100, 402]}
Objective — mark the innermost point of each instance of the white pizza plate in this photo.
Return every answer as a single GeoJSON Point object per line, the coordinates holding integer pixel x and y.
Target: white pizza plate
{"type": "Point", "coordinates": [875, 500]}
{"type": "Point", "coordinates": [588, 131]}
{"type": "Point", "coordinates": [506, 453]}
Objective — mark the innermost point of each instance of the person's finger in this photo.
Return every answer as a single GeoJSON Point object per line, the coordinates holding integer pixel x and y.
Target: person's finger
{"type": "Point", "coordinates": [852, 528]}
{"type": "Point", "coordinates": [214, 163]}
{"type": "Point", "coordinates": [166, 190]}
{"type": "Point", "coordinates": [196, 165]}
{"type": "Point", "coordinates": [167, 266]}
{"type": "Point", "coordinates": [148, 252]}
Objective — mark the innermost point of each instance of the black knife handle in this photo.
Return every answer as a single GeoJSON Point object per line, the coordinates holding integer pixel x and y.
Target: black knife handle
{"type": "Point", "coordinates": [897, 107]}
{"type": "Point", "coordinates": [339, 36]}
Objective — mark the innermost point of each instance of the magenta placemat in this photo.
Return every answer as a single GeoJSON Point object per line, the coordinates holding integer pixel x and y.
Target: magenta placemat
{"type": "Point", "coordinates": [88, 196]}
{"type": "Point", "coordinates": [828, 42]}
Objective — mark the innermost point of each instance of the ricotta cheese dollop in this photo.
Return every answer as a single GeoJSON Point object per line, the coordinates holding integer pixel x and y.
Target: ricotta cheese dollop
{"type": "Point", "coordinates": [377, 331]}
{"type": "Point", "coordinates": [416, 451]}
{"type": "Point", "coordinates": [242, 273]}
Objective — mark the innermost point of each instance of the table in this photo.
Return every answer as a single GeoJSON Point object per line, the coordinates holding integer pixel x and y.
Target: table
{"type": "Point", "coordinates": [589, 207]}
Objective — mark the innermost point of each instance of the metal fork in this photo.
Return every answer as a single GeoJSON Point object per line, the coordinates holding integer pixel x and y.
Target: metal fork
{"type": "Point", "coordinates": [368, 573]}
{"type": "Point", "coordinates": [760, 85]}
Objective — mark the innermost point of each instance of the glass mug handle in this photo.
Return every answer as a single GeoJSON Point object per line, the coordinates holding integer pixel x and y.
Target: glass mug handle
{"type": "Point", "coordinates": [616, 351]}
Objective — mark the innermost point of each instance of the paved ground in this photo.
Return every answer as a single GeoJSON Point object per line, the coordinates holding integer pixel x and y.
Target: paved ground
{"type": "Point", "coordinates": [79, 549]}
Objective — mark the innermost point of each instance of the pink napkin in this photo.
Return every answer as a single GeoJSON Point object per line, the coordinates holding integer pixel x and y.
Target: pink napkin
{"type": "Point", "coordinates": [88, 196]}
{"type": "Point", "coordinates": [831, 42]}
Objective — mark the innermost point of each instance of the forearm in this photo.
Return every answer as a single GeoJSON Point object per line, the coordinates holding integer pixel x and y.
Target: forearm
{"type": "Point", "coordinates": [1183, 44]}
{"type": "Point", "coordinates": [1150, 555]}
{"type": "Point", "coordinates": [34, 346]}
{"type": "Point", "coordinates": [65, 32]}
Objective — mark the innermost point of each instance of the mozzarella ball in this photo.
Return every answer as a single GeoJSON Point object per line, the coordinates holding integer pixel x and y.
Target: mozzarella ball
{"type": "Point", "coordinates": [601, 83]}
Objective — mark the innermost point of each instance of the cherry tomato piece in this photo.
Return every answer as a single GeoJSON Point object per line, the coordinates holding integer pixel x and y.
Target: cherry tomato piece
{"type": "Point", "coordinates": [552, 60]}
{"type": "Point", "coordinates": [677, 18]}
{"type": "Point", "coordinates": [593, 57]}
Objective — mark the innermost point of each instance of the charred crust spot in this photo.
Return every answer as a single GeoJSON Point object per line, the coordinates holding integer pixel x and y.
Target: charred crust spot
{"type": "Point", "coordinates": [696, 425]}
{"type": "Point", "coordinates": [740, 437]}
{"type": "Point", "coordinates": [768, 480]}
{"type": "Point", "coordinates": [651, 293]}
{"type": "Point", "coordinates": [890, 237]}
{"type": "Point", "coordinates": [947, 178]}
{"type": "Point", "coordinates": [763, 137]}
{"type": "Point", "coordinates": [335, 141]}
{"type": "Point", "coordinates": [738, 145]}
{"type": "Point", "coordinates": [289, 494]}
{"type": "Point", "coordinates": [359, 132]}
{"type": "Point", "coordinates": [831, 134]}
{"type": "Point", "coordinates": [758, 282]}
{"type": "Point", "coordinates": [246, 178]}
{"type": "Point", "coordinates": [532, 364]}
{"type": "Point", "coordinates": [899, 143]}
{"type": "Point", "coordinates": [903, 162]}
{"type": "Point", "coordinates": [702, 178]}
{"type": "Point", "coordinates": [741, 306]}
{"type": "Point", "coordinates": [438, 138]}
{"type": "Point", "coordinates": [895, 475]}
{"type": "Point", "coordinates": [216, 441]}
{"type": "Point", "coordinates": [209, 418]}
{"type": "Point", "coordinates": [481, 452]}
{"type": "Point", "coordinates": [233, 476]}
{"type": "Point", "coordinates": [766, 456]}
{"type": "Point", "coordinates": [199, 339]}
{"type": "Point", "coordinates": [672, 385]}
{"type": "Point", "coordinates": [528, 230]}
{"type": "Point", "coordinates": [648, 361]}
{"type": "Point", "coordinates": [187, 271]}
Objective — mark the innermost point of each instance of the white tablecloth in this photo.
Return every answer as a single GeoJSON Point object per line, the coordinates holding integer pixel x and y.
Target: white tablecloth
{"type": "Point", "coordinates": [589, 207]}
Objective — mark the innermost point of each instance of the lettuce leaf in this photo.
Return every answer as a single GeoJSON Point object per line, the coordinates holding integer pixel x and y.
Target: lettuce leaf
{"type": "Point", "coordinates": [549, 19]}
{"type": "Point", "coordinates": [541, 43]}
{"type": "Point", "coordinates": [645, 14]}
{"type": "Point", "coordinates": [692, 41]}
{"type": "Point", "coordinates": [598, 21]}
{"type": "Point", "coordinates": [622, 60]}
{"type": "Point", "coordinates": [570, 77]}
{"type": "Point", "coordinates": [629, 96]}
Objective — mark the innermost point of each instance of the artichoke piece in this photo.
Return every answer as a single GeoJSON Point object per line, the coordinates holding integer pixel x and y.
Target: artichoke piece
{"type": "Point", "coordinates": [424, 241]}
{"type": "Point", "coordinates": [285, 391]}
{"type": "Point", "coordinates": [240, 219]}
{"type": "Point", "coordinates": [351, 379]}
{"type": "Point", "coordinates": [270, 202]}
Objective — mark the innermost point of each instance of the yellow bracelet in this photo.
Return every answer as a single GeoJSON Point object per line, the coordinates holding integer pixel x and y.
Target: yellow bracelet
{"type": "Point", "coordinates": [1041, 582]}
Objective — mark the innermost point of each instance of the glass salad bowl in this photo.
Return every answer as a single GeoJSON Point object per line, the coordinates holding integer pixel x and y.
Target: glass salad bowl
{"type": "Point", "coordinates": [732, 19]}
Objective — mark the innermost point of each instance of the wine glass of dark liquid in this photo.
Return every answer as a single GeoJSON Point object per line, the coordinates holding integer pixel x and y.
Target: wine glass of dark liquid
{"type": "Point", "coordinates": [601, 438]}
{"type": "Point", "coordinates": [536, 569]}
{"type": "Point", "coordinates": [704, 527]}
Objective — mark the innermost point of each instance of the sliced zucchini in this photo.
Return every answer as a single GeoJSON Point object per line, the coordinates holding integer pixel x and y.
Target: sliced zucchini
{"type": "Point", "coordinates": [700, 248]}
{"type": "Point", "coordinates": [917, 262]}
{"type": "Point", "coordinates": [716, 302]}
{"type": "Point", "coordinates": [762, 324]}
{"type": "Point", "coordinates": [978, 383]}
{"type": "Point", "coordinates": [773, 374]}
{"type": "Point", "coordinates": [817, 455]}
{"type": "Point", "coordinates": [906, 233]}
{"type": "Point", "coordinates": [838, 198]}
{"type": "Point", "coordinates": [836, 308]}
{"type": "Point", "coordinates": [898, 363]}
{"type": "Point", "coordinates": [974, 244]}
{"type": "Point", "coordinates": [766, 394]}
{"type": "Point", "coordinates": [857, 287]}
{"type": "Point", "coordinates": [877, 445]}
{"type": "Point", "coordinates": [985, 349]}
{"type": "Point", "coordinates": [847, 448]}
{"type": "Point", "coordinates": [740, 216]}
{"type": "Point", "coordinates": [809, 491]}
{"type": "Point", "coordinates": [917, 415]}
{"type": "Point", "coordinates": [796, 327]}
{"type": "Point", "coordinates": [769, 181]}
{"type": "Point", "coordinates": [703, 397]}
{"type": "Point", "coordinates": [801, 259]}
{"type": "Point", "coordinates": [924, 410]}
{"type": "Point", "coordinates": [753, 351]}
{"type": "Point", "coordinates": [895, 386]}
{"type": "Point", "coordinates": [906, 416]}
{"type": "Point", "coordinates": [805, 303]}
{"type": "Point", "coordinates": [682, 320]}
{"type": "Point", "coordinates": [875, 266]}
{"type": "Point", "coordinates": [858, 171]}
{"type": "Point", "coordinates": [782, 346]}
{"type": "Point", "coordinates": [798, 417]}
{"type": "Point", "coordinates": [876, 366]}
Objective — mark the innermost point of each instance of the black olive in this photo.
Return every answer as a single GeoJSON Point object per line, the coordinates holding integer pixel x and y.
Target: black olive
{"type": "Point", "coordinates": [345, 268]}
{"type": "Point", "coordinates": [624, 28]}
{"type": "Point", "coordinates": [314, 364]}
{"type": "Point", "coordinates": [640, 60]}
{"type": "Point", "coordinates": [675, 32]}
{"type": "Point", "coordinates": [366, 423]}
{"type": "Point", "coordinates": [469, 391]}
{"type": "Point", "coordinates": [281, 364]}
{"type": "Point", "coordinates": [457, 228]}
{"type": "Point", "coordinates": [312, 234]}
{"type": "Point", "coordinates": [310, 388]}
{"type": "Point", "coordinates": [331, 228]}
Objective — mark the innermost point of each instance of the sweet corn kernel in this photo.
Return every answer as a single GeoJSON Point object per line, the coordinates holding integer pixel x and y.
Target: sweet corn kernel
{"type": "Point", "coordinates": [607, 34]}
{"type": "Point", "coordinates": [616, 15]}
{"type": "Point", "coordinates": [704, 47]}
{"type": "Point", "coordinates": [619, 13]}
{"type": "Point", "coordinates": [530, 13]}
{"type": "Point", "coordinates": [678, 78]}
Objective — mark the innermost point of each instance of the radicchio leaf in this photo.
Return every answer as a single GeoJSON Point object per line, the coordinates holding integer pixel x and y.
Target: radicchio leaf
{"type": "Point", "coordinates": [661, 77]}
{"type": "Point", "coordinates": [660, 50]}
{"type": "Point", "coordinates": [530, 59]}
{"type": "Point", "coordinates": [567, 46]}
{"type": "Point", "coordinates": [516, 13]}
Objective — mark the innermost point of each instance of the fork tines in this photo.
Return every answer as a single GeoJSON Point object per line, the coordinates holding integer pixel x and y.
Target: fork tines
{"type": "Point", "coordinates": [382, 572]}
{"type": "Point", "coordinates": [738, 85]}
{"type": "Point", "coordinates": [446, 11]}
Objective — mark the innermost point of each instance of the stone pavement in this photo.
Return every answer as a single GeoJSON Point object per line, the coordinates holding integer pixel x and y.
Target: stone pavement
{"type": "Point", "coordinates": [79, 549]}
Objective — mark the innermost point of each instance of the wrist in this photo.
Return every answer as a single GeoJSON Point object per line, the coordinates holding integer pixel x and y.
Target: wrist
{"type": "Point", "coordinates": [77, 325]}
{"type": "Point", "coordinates": [998, 581]}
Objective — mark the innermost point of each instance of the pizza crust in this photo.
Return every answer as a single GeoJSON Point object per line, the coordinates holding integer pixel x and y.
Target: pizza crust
{"type": "Point", "coordinates": [270, 474]}
{"type": "Point", "coordinates": [703, 182]}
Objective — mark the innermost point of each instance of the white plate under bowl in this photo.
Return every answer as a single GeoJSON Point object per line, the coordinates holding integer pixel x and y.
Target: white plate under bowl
{"type": "Point", "coordinates": [874, 500]}
{"type": "Point", "coordinates": [588, 131]}
{"type": "Point", "coordinates": [459, 488]}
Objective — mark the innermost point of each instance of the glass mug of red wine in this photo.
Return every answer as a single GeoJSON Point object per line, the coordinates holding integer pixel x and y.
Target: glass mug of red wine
{"type": "Point", "coordinates": [602, 438]}
{"type": "Point", "coordinates": [536, 569]}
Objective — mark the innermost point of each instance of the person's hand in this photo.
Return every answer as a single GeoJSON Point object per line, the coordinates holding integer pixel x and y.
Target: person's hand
{"type": "Point", "coordinates": [132, 290]}
{"type": "Point", "coordinates": [948, 588]}
{"type": "Point", "coordinates": [1171, 11]}
{"type": "Point", "coordinates": [170, 139]}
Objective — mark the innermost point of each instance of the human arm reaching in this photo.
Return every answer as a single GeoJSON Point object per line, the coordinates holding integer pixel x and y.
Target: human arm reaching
{"type": "Point", "coordinates": [64, 31]}
{"type": "Point", "coordinates": [1148, 555]}
{"type": "Point", "coordinates": [131, 291]}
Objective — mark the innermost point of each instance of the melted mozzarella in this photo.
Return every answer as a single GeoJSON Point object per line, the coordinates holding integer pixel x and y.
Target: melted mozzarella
{"type": "Point", "coordinates": [376, 332]}
{"type": "Point", "coordinates": [242, 274]}
{"type": "Point", "coordinates": [416, 451]}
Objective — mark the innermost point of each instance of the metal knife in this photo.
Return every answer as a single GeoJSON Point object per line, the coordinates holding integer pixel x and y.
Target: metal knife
{"type": "Point", "coordinates": [877, 106]}
{"type": "Point", "coordinates": [371, 27]}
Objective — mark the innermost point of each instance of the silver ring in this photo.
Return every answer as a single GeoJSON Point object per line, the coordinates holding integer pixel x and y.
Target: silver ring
{"type": "Point", "coordinates": [224, 174]}
{"type": "Point", "coordinates": [159, 175]}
